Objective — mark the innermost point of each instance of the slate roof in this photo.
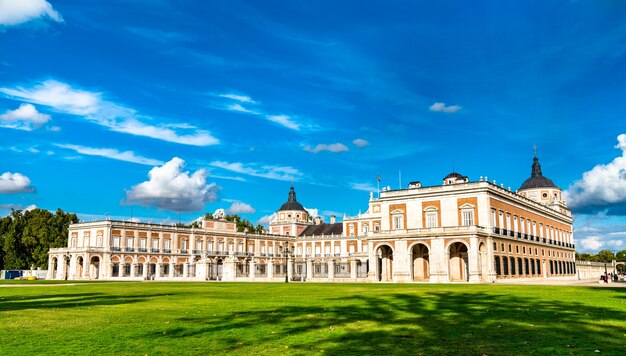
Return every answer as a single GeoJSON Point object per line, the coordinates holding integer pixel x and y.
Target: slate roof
{"type": "Point", "coordinates": [323, 229]}
{"type": "Point", "coordinates": [292, 203]}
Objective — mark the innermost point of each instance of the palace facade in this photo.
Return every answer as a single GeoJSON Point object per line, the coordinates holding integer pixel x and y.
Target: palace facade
{"type": "Point", "coordinates": [459, 231]}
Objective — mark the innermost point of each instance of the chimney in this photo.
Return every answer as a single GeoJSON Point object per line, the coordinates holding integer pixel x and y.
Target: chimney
{"type": "Point", "coordinates": [317, 220]}
{"type": "Point", "coordinates": [332, 219]}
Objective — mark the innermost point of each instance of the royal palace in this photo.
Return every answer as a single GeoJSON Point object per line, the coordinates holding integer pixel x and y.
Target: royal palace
{"type": "Point", "coordinates": [459, 231]}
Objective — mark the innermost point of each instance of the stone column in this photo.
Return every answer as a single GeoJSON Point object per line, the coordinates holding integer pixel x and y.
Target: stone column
{"type": "Point", "coordinates": [290, 269]}
{"type": "Point", "coordinates": [171, 274]}
{"type": "Point", "coordinates": [229, 271]}
{"type": "Point", "coordinates": [401, 265]}
{"type": "Point", "coordinates": [157, 273]}
{"type": "Point", "coordinates": [146, 266]}
{"type": "Point", "coordinates": [473, 261]}
{"type": "Point", "coordinates": [185, 270]}
{"type": "Point", "coordinates": [133, 269]}
{"type": "Point", "coordinates": [331, 269]}
{"type": "Point", "coordinates": [252, 268]}
{"type": "Point", "coordinates": [372, 261]}
{"type": "Point", "coordinates": [309, 268]}
{"type": "Point", "coordinates": [121, 268]}
{"type": "Point", "coordinates": [353, 269]}
{"type": "Point", "coordinates": [270, 268]}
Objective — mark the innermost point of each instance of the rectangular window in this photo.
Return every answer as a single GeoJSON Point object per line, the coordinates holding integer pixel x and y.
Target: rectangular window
{"type": "Point", "coordinates": [155, 243]}
{"type": "Point", "coordinates": [431, 220]}
{"type": "Point", "coordinates": [167, 244]}
{"type": "Point", "coordinates": [397, 222]}
{"type": "Point", "coordinates": [142, 243]}
{"type": "Point", "coordinates": [116, 241]}
{"type": "Point", "coordinates": [351, 230]}
{"type": "Point", "coordinates": [468, 217]}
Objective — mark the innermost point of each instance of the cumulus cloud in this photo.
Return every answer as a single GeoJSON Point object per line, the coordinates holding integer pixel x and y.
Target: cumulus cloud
{"type": "Point", "coordinates": [11, 183]}
{"type": "Point", "coordinates": [238, 207]}
{"type": "Point", "coordinates": [171, 188]}
{"type": "Point", "coordinates": [283, 173]}
{"type": "Point", "coordinates": [25, 118]}
{"type": "Point", "coordinates": [592, 243]}
{"type": "Point", "coordinates": [359, 142]}
{"type": "Point", "coordinates": [127, 156]}
{"type": "Point", "coordinates": [601, 188]}
{"type": "Point", "coordinates": [91, 105]}
{"type": "Point", "coordinates": [333, 147]}
{"type": "Point", "coordinates": [265, 220]}
{"type": "Point", "coordinates": [15, 12]}
{"type": "Point", "coordinates": [441, 107]}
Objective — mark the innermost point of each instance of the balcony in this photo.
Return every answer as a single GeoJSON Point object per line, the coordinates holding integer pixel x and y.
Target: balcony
{"type": "Point", "coordinates": [116, 249]}
{"type": "Point", "coordinates": [167, 250]}
{"type": "Point", "coordinates": [183, 251]}
{"type": "Point", "coordinates": [154, 250]}
{"type": "Point", "coordinates": [142, 249]}
{"type": "Point", "coordinates": [496, 230]}
{"type": "Point", "coordinates": [129, 249]}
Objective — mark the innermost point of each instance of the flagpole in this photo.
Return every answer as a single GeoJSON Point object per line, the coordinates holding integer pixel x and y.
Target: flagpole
{"type": "Point", "coordinates": [378, 182]}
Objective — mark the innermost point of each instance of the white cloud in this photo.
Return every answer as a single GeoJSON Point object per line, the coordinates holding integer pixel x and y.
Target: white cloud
{"type": "Point", "coordinates": [591, 243]}
{"type": "Point", "coordinates": [11, 183]}
{"type": "Point", "coordinates": [238, 207]}
{"type": "Point", "coordinates": [265, 220]}
{"type": "Point", "coordinates": [333, 147]}
{"type": "Point", "coordinates": [312, 211]}
{"type": "Point", "coordinates": [128, 156]}
{"type": "Point", "coordinates": [284, 173]}
{"type": "Point", "coordinates": [239, 108]}
{"type": "Point", "coordinates": [359, 142]}
{"type": "Point", "coordinates": [441, 107]}
{"type": "Point", "coordinates": [615, 243]}
{"type": "Point", "coordinates": [94, 108]}
{"type": "Point", "coordinates": [171, 188]}
{"type": "Point", "coordinates": [239, 179]}
{"type": "Point", "coordinates": [284, 120]}
{"type": "Point", "coordinates": [362, 186]}
{"type": "Point", "coordinates": [15, 12]}
{"type": "Point", "coordinates": [18, 207]}
{"type": "Point", "coordinates": [237, 97]}
{"type": "Point", "coordinates": [25, 118]}
{"type": "Point", "coordinates": [603, 187]}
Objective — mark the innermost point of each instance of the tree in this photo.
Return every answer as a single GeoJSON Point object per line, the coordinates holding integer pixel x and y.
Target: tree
{"type": "Point", "coordinates": [605, 256]}
{"type": "Point", "coordinates": [621, 256]}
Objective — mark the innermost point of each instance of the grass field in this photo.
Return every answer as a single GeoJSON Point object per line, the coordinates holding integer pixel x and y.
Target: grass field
{"type": "Point", "coordinates": [213, 318]}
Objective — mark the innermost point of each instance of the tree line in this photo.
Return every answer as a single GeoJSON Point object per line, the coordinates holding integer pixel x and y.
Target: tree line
{"type": "Point", "coordinates": [27, 236]}
{"type": "Point", "coordinates": [602, 256]}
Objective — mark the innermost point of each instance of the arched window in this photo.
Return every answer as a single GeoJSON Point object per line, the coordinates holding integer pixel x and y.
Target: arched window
{"type": "Point", "coordinates": [397, 220]}
{"type": "Point", "coordinates": [431, 215]}
{"type": "Point", "coordinates": [505, 265]}
{"type": "Point", "coordinates": [467, 215]}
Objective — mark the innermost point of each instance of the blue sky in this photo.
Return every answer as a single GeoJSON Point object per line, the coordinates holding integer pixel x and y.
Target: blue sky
{"type": "Point", "coordinates": [163, 110]}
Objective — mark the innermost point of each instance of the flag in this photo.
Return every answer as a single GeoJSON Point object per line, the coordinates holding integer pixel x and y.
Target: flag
{"type": "Point", "coordinates": [378, 178]}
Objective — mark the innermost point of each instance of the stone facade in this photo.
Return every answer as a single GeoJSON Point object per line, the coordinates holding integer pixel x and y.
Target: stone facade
{"type": "Point", "coordinates": [460, 231]}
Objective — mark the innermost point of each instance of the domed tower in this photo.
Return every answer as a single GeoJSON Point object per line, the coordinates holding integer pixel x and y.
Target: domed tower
{"type": "Point", "coordinates": [291, 218]}
{"type": "Point", "coordinates": [541, 189]}
{"type": "Point", "coordinates": [454, 178]}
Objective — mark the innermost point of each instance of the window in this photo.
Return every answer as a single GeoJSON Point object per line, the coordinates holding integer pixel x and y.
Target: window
{"type": "Point", "coordinates": [183, 244]}
{"type": "Point", "coordinates": [142, 243]}
{"type": "Point", "coordinates": [351, 230]}
{"type": "Point", "coordinates": [129, 242]}
{"type": "Point", "coordinates": [199, 245]}
{"type": "Point", "coordinates": [99, 240]}
{"type": "Point", "coordinates": [431, 219]}
{"type": "Point", "coordinates": [377, 227]}
{"type": "Point", "coordinates": [495, 246]}
{"type": "Point", "coordinates": [116, 241]}
{"type": "Point", "coordinates": [468, 217]}
{"type": "Point", "coordinates": [397, 220]}
{"type": "Point", "coordinates": [365, 228]}
{"type": "Point", "coordinates": [167, 244]}
{"type": "Point", "coordinates": [155, 243]}
{"type": "Point", "coordinates": [74, 241]}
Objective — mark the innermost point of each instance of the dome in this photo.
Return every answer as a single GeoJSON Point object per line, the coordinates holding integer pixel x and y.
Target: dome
{"type": "Point", "coordinates": [454, 175]}
{"type": "Point", "coordinates": [291, 203]}
{"type": "Point", "coordinates": [537, 180]}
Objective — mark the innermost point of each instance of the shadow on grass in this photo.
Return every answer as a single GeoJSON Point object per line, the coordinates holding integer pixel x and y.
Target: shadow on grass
{"type": "Point", "coordinates": [430, 323]}
{"type": "Point", "coordinates": [68, 300]}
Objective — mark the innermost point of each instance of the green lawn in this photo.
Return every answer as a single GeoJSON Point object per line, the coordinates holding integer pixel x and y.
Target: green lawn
{"type": "Point", "coordinates": [209, 318]}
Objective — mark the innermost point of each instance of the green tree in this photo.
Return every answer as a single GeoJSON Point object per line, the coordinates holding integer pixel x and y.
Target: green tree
{"type": "Point", "coordinates": [606, 256]}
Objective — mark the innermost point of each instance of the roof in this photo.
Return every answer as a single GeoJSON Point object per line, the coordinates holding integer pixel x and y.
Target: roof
{"type": "Point", "coordinates": [537, 180]}
{"type": "Point", "coordinates": [454, 175]}
{"type": "Point", "coordinates": [292, 203]}
{"type": "Point", "coordinates": [323, 229]}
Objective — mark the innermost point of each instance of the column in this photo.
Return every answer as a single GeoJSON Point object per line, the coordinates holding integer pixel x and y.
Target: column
{"type": "Point", "coordinates": [353, 270]}
{"type": "Point", "coordinates": [252, 268]}
{"type": "Point", "coordinates": [185, 270]}
{"type": "Point", "coordinates": [289, 269]}
{"type": "Point", "coordinates": [270, 268]}
{"type": "Point", "coordinates": [133, 269]}
{"type": "Point", "coordinates": [473, 261]}
{"type": "Point", "coordinates": [229, 271]}
{"type": "Point", "coordinates": [331, 269]}
{"type": "Point", "coordinates": [146, 265]}
{"type": "Point", "coordinates": [309, 268]}
{"type": "Point", "coordinates": [401, 265]}
{"type": "Point", "coordinates": [121, 268]}
{"type": "Point", "coordinates": [171, 274]}
{"type": "Point", "coordinates": [157, 273]}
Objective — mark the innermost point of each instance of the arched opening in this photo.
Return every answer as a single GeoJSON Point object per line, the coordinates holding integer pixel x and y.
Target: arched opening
{"type": "Point", "coordinates": [420, 263]}
{"type": "Point", "coordinates": [79, 267]}
{"type": "Point", "coordinates": [483, 261]}
{"type": "Point", "coordinates": [532, 267]}
{"type": "Point", "coordinates": [505, 265]}
{"type": "Point", "coordinates": [384, 267]}
{"type": "Point", "coordinates": [94, 268]}
{"type": "Point", "coordinates": [55, 265]}
{"type": "Point", "coordinates": [457, 263]}
{"type": "Point", "coordinates": [497, 266]}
